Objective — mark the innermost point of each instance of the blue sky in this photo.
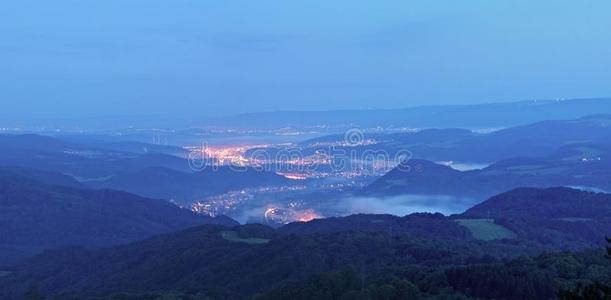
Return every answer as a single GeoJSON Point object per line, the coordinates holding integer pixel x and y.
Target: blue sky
{"type": "Point", "coordinates": [198, 57]}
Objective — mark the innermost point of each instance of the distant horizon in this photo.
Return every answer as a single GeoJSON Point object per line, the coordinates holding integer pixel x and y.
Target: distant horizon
{"type": "Point", "coordinates": [266, 120]}
{"type": "Point", "coordinates": [262, 112]}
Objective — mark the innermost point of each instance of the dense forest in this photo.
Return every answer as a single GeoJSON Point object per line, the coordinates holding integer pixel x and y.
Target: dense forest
{"type": "Point", "coordinates": [258, 262]}
{"type": "Point", "coordinates": [516, 254]}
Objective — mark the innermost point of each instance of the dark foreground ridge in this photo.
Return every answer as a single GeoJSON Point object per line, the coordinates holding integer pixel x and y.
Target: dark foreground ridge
{"type": "Point", "coordinates": [35, 216]}
{"type": "Point", "coordinates": [362, 256]}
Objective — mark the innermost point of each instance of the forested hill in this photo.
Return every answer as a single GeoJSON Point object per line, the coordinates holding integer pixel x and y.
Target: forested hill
{"type": "Point", "coordinates": [35, 216]}
{"type": "Point", "coordinates": [563, 217]}
{"type": "Point", "coordinates": [216, 262]}
{"type": "Point", "coordinates": [550, 203]}
{"type": "Point", "coordinates": [366, 255]}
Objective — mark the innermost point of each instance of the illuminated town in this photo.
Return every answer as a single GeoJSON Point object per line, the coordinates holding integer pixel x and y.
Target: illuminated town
{"type": "Point", "coordinates": [300, 162]}
{"type": "Point", "coordinates": [280, 204]}
{"type": "Point", "coordinates": [314, 168]}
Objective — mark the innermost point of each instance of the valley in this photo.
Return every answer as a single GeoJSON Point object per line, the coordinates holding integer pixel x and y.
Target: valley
{"type": "Point", "coordinates": [305, 150]}
{"type": "Point", "coordinates": [410, 204]}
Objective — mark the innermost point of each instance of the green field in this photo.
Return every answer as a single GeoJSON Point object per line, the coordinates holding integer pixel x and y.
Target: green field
{"type": "Point", "coordinates": [233, 236]}
{"type": "Point", "coordinates": [486, 229]}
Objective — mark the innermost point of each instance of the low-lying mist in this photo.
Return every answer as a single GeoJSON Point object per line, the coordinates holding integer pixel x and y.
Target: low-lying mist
{"type": "Point", "coordinates": [404, 204]}
{"type": "Point", "coordinates": [347, 205]}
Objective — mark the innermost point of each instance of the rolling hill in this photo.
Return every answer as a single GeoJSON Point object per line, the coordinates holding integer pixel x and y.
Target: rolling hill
{"type": "Point", "coordinates": [564, 217]}
{"type": "Point", "coordinates": [421, 225]}
{"type": "Point", "coordinates": [431, 254]}
{"type": "Point", "coordinates": [183, 187]}
{"type": "Point", "coordinates": [36, 216]}
{"type": "Point", "coordinates": [81, 161]}
{"type": "Point", "coordinates": [488, 115]}
{"type": "Point", "coordinates": [151, 173]}
{"type": "Point", "coordinates": [583, 166]}
{"type": "Point", "coordinates": [540, 139]}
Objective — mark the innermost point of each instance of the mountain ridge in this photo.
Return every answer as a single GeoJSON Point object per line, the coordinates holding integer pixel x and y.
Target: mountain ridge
{"type": "Point", "coordinates": [37, 216]}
